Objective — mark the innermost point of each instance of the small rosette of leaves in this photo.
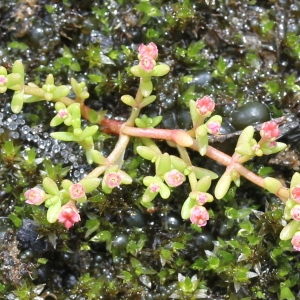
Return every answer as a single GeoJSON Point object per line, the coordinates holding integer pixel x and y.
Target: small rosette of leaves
{"type": "Point", "coordinates": [146, 122]}
{"type": "Point", "coordinates": [212, 126]}
{"type": "Point", "coordinates": [54, 198]}
{"type": "Point", "coordinates": [79, 89]}
{"type": "Point", "coordinates": [248, 147]}
{"type": "Point", "coordinates": [291, 211]}
{"type": "Point", "coordinates": [53, 92]}
{"type": "Point", "coordinates": [194, 203]}
{"type": "Point", "coordinates": [14, 81]}
{"type": "Point", "coordinates": [71, 116]}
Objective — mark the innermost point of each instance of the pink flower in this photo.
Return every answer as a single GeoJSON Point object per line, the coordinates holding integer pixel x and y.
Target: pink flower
{"type": "Point", "coordinates": [205, 106]}
{"type": "Point", "coordinates": [35, 196]}
{"type": "Point", "coordinates": [199, 215]}
{"type": "Point", "coordinates": [174, 178]}
{"type": "Point", "coordinates": [295, 194]}
{"type": "Point", "coordinates": [270, 131]}
{"type": "Point", "coordinates": [213, 127]}
{"type": "Point", "coordinates": [149, 50]}
{"type": "Point", "coordinates": [3, 80]}
{"type": "Point", "coordinates": [69, 215]}
{"type": "Point", "coordinates": [113, 180]}
{"type": "Point", "coordinates": [77, 191]}
{"type": "Point", "coordinates": [296, 241]}
{"type": "Point", "coordinates": [63, 113]}
{"type": "Point", "coordinates": [295, 212]}
{"type": "Point", "coordinates": [147, 63]}
{"type": "Point", "coordinates": [154, 187]}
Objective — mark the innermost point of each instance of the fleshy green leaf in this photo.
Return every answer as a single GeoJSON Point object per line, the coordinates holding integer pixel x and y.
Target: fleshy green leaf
{"type": "Point", "coordinates": [64, 136]}
{"type": "Point", "coordinates": [203, 184]}
{"type": "Point", "coordinates": [164, 191]}
{"type": "Point", "coordinates": [160, 70]}
{"type": "Point", "coordinates": [223, 185]}
{"type": "Point", "coordinates": [53, 212]}
{"type": "Point", "coordinates": [201, 172]}
{"type": "Point", "coordinates": [272, 184]}
{"type": "Point", "coordinates": [146, 101]}
{"type": "Point", "coordinates": [178, 163]}
{"type": "Point", "coordinates": [50, 186]}
{"type": "Point", "coordinates": [128, 100]}
{"type": "Point", "coordinates": [88, 131]}
{"type": "Point", "coordinates": [90, 183]}
{"type": "Point", "coordinates": [186, 208]}
{"type": "Point", "coordinates": [163, 164]}
{"type": "Point", "coordinates": [98, 158]}
{"type": "Point", "coordinates": [17, 102]}
{"type": "Point", "coordinates": [289, 230]}
{"type": "Point", "coordinates": [202, 139]}
{"type": "Point", "coordinates": [295, 180]}
{"type": "Point", "coordinates": [146, 88]}
{"type": "Point", "coordinates": [147, 153]}
{"type": "Point", "coordinates": [60, 91]}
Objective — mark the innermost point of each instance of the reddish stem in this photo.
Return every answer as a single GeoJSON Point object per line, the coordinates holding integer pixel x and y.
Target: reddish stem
{"type": "Point", "coordinates": [117, 127]}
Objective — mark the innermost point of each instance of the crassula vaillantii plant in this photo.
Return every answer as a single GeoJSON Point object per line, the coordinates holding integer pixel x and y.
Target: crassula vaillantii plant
{"type": "Point", "coordinates": [171, 171]}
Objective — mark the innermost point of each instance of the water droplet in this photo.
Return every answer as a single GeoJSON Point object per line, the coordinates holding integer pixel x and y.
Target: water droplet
{"type": "Point", "coordinates": [15, 135]}
{"type": "Point", "coordinates": [12, 125]}
{"type": "Point", "coordinates": [36, 138]}
{"type": "Point", "coordinates": [56, 148]}
{"type": "Point", "coordinates": [64, 153]}
{"type": "Point", "coordinates": [72, 158]}
{"type": "Point", "coordinates": [20, 121]}
{"type": "Point", "coordinates": [76, 173]}
{"type": "Point", "coordinates": [29, 137]}
{"type": "Point", "coordinates": [42, 144]}
{"type": "Point", "coordinates": [48, 142]}
{"type": "Point", "coordinates": [25, 129]}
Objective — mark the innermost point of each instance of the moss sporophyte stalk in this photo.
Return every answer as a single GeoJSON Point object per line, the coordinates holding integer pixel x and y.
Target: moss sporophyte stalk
{"type": "Point", "coordinates": [62, 199]}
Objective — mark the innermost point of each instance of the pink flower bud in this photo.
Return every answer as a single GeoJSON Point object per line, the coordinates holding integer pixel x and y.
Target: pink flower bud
{"type": "Point", "coordinates": [201, 198]}
{"type": "Point", "coordinates": [69, 215]}
{"type": "Point", "coordinates": [147, 63]}
{"type": "Point", "coordinates": [270, 131]}
{"type": "Point", "coordinates": [113, 180]}
{"type": "Point", "coordinates": [296, 241]}
{"type": "Point", "coordinates": [63, 113]}
{"type": "Point", "coordinates": [174, 178]}
{"type": "Point", "coordinates": [295, 212]}
{"type": "Point", "coordinates": [76, 191]}
{"type": "Point", "coordinates": [295, 194]}
{"type": "Point", "coordinates": [213, 127]}
{"type": "Point", "coordinates": [149, 50]}
{"type": "Point", "coordinates": [199, 215]}
{"type": "Point", "coordinates": [255, 147]}
{"type": "Point", "coordinates": [3, 80]}
{"type": "Point", "coordinates": [205, 106]}
{"type": "Point", "coordinates": [154, 187]}
{"type": "Point", "coordinates": [35, 196]}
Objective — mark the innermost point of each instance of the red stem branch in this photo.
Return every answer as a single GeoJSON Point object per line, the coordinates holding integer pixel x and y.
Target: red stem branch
{"type": "Point", "coordinates": [117, 127]}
